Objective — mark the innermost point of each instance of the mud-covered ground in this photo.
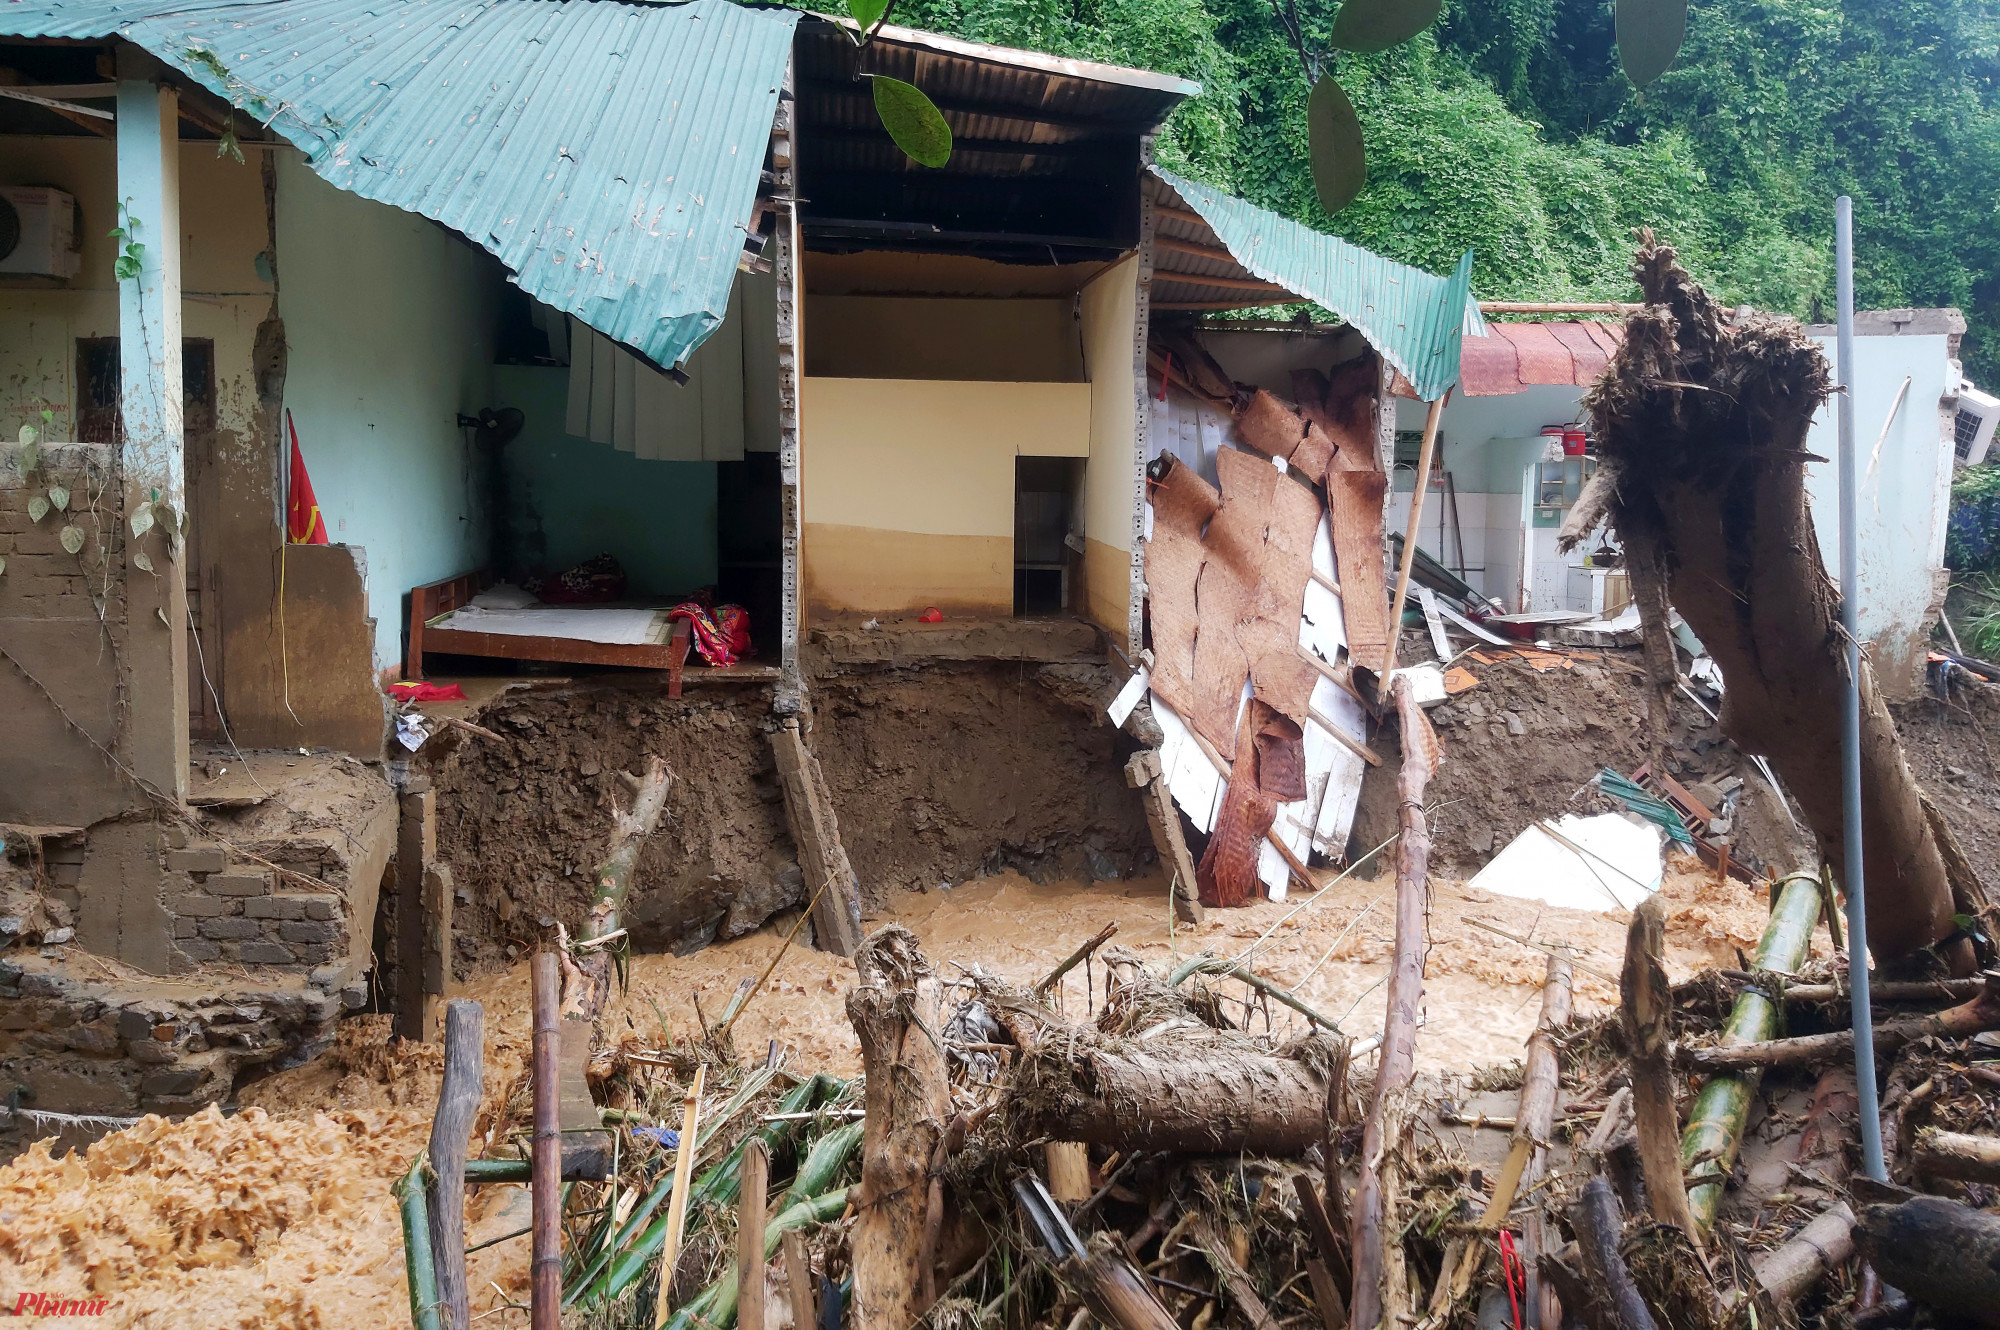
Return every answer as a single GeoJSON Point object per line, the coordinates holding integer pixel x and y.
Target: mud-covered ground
{"type": "Point", "coordinates": [1951, 746]}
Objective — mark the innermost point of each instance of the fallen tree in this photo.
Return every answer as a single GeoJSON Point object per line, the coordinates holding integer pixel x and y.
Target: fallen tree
{"type": "Point", "coordinates": [1702, 425]}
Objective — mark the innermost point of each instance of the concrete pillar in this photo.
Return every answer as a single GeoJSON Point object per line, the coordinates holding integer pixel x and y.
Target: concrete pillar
{"type": "Point", "coordinates": [155, 662]}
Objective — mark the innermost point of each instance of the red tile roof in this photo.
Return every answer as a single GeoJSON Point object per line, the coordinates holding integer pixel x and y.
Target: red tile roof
{"type": "Point", "coordinates": [1516, 355]}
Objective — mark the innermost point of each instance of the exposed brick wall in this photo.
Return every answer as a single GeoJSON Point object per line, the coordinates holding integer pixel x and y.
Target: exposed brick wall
{"type": "Point", "coordinates": [224, 912]}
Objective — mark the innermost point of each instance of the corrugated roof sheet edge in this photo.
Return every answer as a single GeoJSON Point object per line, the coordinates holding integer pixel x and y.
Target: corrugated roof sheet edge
{"type": "Point", "coordinates": [1413, 318]}
{"type": "Point", "coordinates": [608, 153]}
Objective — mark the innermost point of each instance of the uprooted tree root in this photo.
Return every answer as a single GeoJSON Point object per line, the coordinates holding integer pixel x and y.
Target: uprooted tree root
{"type": "Point", "coordinates": [1703, 426]}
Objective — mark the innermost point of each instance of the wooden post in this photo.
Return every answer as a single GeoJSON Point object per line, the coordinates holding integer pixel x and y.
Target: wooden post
{"type": "Point", "coordinates": [799, 1279]}
{"type": "Point", "coordinates": [829, 877]}
{"type": "Point", "coordinates": [756, 1172]}
{"type": "Point", "coordinates": [416, 846]}
{"type": "Point", "coordinates": [437, 894]}
{"type": "Point", "coordinates": [670, 1249]}
{"type": "Point", "coordinates": [458, 1104]}
{"type": "Point", "coordinates": [1646, 1006]}
{"type": "Point", "coordinates": [545, 1189]}
{"type": "Point", "coordinates": [1143, 774]}
{"type": "Point", "coordinates": [1410, 542]}
{"type": "Point", "coordinates": [1379, 1287]}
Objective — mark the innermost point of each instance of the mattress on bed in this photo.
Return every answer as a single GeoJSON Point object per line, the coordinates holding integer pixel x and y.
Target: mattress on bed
{"type": "Point", "coordinates": [612, 625]}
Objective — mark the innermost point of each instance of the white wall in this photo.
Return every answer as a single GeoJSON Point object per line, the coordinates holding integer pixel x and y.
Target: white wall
{"type": "Point", "coordinates": [1902, 501]}
{"type": "Point", "coordinates": [389, 319]}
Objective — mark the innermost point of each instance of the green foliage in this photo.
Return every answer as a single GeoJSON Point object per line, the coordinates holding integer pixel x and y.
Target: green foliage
{"type": "Point", "coordinates": [913, 122]}
{"type": "Point", "coordinates": [131, 259]}
{"type": "Point", "coordinates": [1979, 622]}
{"type": "Point", "coordinates": [1510, 127]}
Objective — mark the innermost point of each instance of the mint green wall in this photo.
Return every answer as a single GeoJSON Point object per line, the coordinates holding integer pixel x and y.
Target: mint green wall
{"type": "Point", "coordinates": [389, 321]}
{"type": "Point", "coordinates": [569, 498]}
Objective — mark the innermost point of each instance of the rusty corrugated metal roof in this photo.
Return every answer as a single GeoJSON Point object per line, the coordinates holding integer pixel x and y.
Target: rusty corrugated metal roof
{"type": "Point", "coordinates": [1520, 354]}
{"type": "Point", "coordinates": [1413, 318]}
{"type": "Point", "coordinates": [608, 153]}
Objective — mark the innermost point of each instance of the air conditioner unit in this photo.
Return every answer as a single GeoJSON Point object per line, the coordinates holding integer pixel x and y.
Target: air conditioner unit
{"type": "Point", "coordinates": [37, 232]}
{"type": "Point", "coordinates": [1972, 431]}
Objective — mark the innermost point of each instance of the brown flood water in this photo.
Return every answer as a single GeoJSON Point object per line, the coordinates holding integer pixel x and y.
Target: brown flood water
{"type": "Point", "coordinates": [282, 1215]}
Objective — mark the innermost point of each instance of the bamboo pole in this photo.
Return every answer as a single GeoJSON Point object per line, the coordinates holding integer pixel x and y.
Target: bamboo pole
{"type": "Point", "coordinates": [750, 1237]}
{"type": "Point", "coordinates": [1715, 1121]}
{"type": "Point", "coordinates": [1951, 1154]}
{"type": "Point", "coordinates": [1410, 542]}
{"type": "Point", "coordinates": [422, 1275]}
{"type": "Point", "coordinates": [545, 1186]}
{"type": "Point", "coordinates": [677, 1207]}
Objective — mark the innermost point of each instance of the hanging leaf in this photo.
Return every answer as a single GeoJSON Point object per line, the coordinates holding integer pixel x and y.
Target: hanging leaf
{"type": "Point", "coordinates": [1649, 37]}
{"type": "Point", "coordinates": [29, 434]}
{"type": "Point", "coordinates": [1339, 157]}
{"type": "Point", "coordinates": [38, 508]}
{"type": "Point", "coordinates": [31, 457]}
{"type": "Point", "coordinates": [913, 121]}
{"type": "Point", "coordinates": [72, 538]}
{"type": "Point", "coordinates": [142, 520]}
{"type": "Point", "coordinates": [867, 12]}
{"type": "Point", "coordinates": [59, 497]}
{"type": "Point", "coordinates": [143, 561]}
{"type": "Point", "coordinates": [164, 513]}
{"type": "Point", "coordinates": [1377, 25]}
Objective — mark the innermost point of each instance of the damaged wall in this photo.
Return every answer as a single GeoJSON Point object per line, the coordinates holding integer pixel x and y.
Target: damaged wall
{"type": "Point", "coordinates": [928, 337]}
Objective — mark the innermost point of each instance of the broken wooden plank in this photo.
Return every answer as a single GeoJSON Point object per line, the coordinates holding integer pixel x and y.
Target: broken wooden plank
{"type": "Point", "coordinates": [830, 883]}
{"type": "Point", "coordinates": [416, 847]}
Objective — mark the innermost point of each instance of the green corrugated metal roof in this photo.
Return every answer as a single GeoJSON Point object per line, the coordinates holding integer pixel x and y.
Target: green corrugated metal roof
{"type": "Point", "coordinates": [608, 153]}
{"type": "Point", "coordinates": [1414, 318]}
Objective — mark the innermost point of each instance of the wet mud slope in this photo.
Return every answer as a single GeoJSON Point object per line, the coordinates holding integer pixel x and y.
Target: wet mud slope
{"type": "Point", "coordinates": [1951, 750]}
{"type": "Point", "coordinates": [947, 772]}
{"type": "Point", "coordinates": [1522, 745]}
{"type": "Point", "coordinates": [522, 819]}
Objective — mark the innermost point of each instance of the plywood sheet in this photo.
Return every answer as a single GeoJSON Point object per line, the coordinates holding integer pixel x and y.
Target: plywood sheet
{"type": "Point", "coordinates": [1354, 508]}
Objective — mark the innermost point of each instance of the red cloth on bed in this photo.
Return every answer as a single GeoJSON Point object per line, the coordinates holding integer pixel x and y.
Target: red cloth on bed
{"type": "Point", "coordinates": [722, 635]}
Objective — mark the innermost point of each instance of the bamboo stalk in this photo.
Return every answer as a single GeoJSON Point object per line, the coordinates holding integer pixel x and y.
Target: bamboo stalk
{"type": "Point", "coordinates": [545, 1186]}
{"type": "Point", "coordinates": [1715, 1121]}
{"type": "Point", "coordinates": [1424, 452]}
{"type": "Point", "coordinates": [1980, 1014]}
{"type": "Point", "coordinates": [1228, 969]}
{"type": "Point", "coordinates": [1951, 1154]}
{"type": "Point", "coordinates": [410, 1191]}
{"type": "Point", "coordinates": [677, 1207]}
{"type": "Point", "coordinates": [714, 1308]}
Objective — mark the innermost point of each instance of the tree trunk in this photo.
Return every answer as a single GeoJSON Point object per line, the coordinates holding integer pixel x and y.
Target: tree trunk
{"type": "Point", "coordinates": [1646, 1007]}
{"type": "Point", "coordinates": [587, 979]}
{"type": "Point", "coordinates": [1943, 1254]}
{"type": "Point", "coordinates": [895, 1012]}
{"type": "Point", "coordinates": [1194, 1096]}
{"type": "Point", "coordinates": [1706, 422]}
{"type": "Point", "coordinates": [1379, 1287]}
{"type": "Point", "coordinates": [458, 1104]}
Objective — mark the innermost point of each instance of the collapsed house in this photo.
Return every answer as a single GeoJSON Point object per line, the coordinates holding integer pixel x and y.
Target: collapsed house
{"type": "Point", "coordinates": [735, 341]}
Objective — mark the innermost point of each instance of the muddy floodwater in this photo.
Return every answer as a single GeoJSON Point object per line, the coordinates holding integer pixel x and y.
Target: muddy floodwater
{"type": "Point", "coordinates": [281, 1215]}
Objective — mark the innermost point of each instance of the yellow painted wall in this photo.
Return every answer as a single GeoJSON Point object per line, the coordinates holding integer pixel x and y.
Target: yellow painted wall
{"type": "Point", "coordinates": [918, 337]}
{"type": "Point", "coordinates": [1107, 308]}
{"type": "Point", "coordinates": [907, 487]}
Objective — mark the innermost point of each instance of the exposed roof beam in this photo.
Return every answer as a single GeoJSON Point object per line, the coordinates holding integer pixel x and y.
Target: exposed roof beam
{"type": "Point", "coordinates": [954, 106]}
{"type": "Point", "coordinates": [877, 138]}
{"type": "Point", "coordinates": [1174, 306]}
{"type": "Point", "coordinates": [1227, 283]}
{"type": "Point", "coordinates": [867, 229]}
{"type": "Point", "coordinates": [1194, 251]}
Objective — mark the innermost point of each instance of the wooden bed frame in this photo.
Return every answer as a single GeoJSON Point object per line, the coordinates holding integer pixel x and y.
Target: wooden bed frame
{"type": "Point", "coordinates": [427, 602]}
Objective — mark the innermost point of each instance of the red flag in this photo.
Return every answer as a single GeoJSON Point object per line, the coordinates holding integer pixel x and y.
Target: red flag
{"type": "Point", "coordinates": [303, 524]}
